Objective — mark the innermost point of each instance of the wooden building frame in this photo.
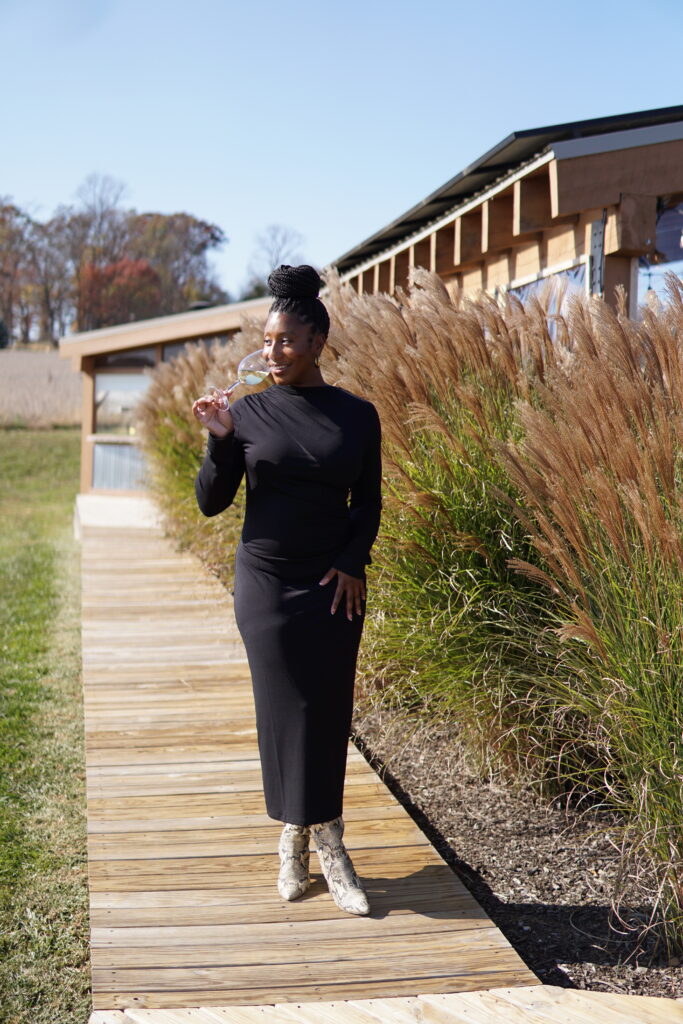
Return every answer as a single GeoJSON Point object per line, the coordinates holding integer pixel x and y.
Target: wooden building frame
{"type": "Point", "coordinates": [135, 347]}
{"type": "Point", "coordinates": [539, 203]}
{"type": "Point", "coordinates": [581, 198]}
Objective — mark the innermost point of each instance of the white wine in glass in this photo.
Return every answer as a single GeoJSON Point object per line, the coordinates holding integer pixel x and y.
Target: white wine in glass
{"type": "Point", "coordinates": [251, 371]}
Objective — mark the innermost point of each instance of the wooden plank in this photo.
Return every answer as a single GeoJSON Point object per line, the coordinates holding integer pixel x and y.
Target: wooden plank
{"type": "Point", "coordinates": [396, 1011]}
{"type": "Point", "coordinates": [319, 1013]}
{"type": "Point", "coordinates": [260, 994]}
{"type": "Point", "coordinates": [234, 842]}
{"type": "Point", "coordinates": [285, 977]}
{"type": "Point", "coordinates": [284, 950]}
{"type": "Point", "coordinates": [251, 821]}
{"type": "Point", "coordinates": [182, 857]}
{"type": "Point", "coordinates": [486, 1008]}
{"type": "Point", "coordinates": [613, 1008]}
{"type": "Point", "coordinates": [337, 930]}
{"type": "Point", "coordinates": [196, 1015]}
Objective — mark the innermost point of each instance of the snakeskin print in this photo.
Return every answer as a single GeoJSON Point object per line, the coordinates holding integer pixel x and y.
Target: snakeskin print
{"type": "Point", "coordinates": [344, 884]}
{"type": "Point", "coordinates": [294, 879]}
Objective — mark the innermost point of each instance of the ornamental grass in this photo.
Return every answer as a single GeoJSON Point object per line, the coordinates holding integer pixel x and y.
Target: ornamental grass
{"type": "Point", "coordinates": [526, 583]}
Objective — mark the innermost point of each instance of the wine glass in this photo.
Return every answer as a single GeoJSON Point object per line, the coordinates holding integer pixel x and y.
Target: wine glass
{"type": "Point", "coordinates": [251, 371]}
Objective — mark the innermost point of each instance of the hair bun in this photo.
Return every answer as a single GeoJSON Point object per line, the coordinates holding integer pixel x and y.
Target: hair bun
{"type": "Point", "coordinates": [287, 282]}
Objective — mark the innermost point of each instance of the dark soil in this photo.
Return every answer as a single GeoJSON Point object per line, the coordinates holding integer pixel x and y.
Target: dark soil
{"type": "Point", "coordinates": [545, 873]}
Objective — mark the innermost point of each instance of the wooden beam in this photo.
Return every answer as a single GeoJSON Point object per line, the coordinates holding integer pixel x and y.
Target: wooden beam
{"type": "Point", "coordinates": [468, 234]}
{"type": "Point", "coordinates": [422, 253]}
{"type": "Point", "coordinates": [368, 279]}
{"type": "Point", "coordinates": [531, 205]}
{"type": "Point", "coordinates": [432, 252]}
{"type": "Point", "coordinates": [632, 226]}
{"type": "Point", "coordinates": [375, 279]}
{"type": "Point", "coordinates": [384, 277]}
{"type": "Point", "coordinates": [175, 327]}
{"type": "Point", "coordinates": [444, 249]}
{"type": "Point", "coordinates": [87, 422]}
{"type": "Point", "coordinates": [599, 180]}
{"type": "Point", "coordinates": [496, 222]}
{"type": "Point", "coordinates": [401, 266]}
{"type": "Point", "coordinates": [618, 271]}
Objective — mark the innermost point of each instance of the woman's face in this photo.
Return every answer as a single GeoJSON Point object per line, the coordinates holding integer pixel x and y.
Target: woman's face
{"type": "Point", "coordinates": [290, 348]}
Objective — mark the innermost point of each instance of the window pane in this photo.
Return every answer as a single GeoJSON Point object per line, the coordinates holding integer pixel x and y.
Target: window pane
{"type": "Point", "coordinates": [116, 395]}
{"type": "Point", "coordinates": [130, 357]}
{"type": "Point", "coordinates": [175, 348]}
{"type": "Point", "coordinates": [118, 467]}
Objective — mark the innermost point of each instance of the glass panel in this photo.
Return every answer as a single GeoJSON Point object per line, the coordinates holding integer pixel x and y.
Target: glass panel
{"type": "Point", "coordinates": [118, 467]}
{"type": "Point", "coordinates": [572, 281]}
{"type": "Point", "coordinates": [116, 395]}
{"type": "Point", "coordinates": [130, 357]}
{"type": "Point", "coordinates": [668, 256]}
{"type": "Point", "coordinates": [176, 348]}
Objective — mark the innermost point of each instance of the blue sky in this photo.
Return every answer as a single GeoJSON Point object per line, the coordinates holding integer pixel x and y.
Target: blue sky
{"type": "Point", "coordinates": [330, 119]}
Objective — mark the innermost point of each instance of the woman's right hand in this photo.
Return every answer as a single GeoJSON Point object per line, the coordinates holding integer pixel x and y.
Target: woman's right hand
{"type": "Point", "coordinates": [213, 412]}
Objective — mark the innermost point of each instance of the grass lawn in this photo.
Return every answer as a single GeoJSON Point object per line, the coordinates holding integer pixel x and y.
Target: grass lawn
{"type": "Point", "coordinates": [44, 953]}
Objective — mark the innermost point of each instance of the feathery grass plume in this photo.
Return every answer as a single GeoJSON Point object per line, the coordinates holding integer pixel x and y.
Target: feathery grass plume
{"type": "Point", "coordinates": [446, 374]}
{"type": "Point", "coordinates": [527, 576]}
{"type": "Point", "coordinates": [600, 471]}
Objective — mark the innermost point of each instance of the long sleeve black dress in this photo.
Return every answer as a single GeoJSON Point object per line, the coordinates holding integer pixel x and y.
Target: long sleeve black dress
{"type": "Point", "coordinates": [312, 462]}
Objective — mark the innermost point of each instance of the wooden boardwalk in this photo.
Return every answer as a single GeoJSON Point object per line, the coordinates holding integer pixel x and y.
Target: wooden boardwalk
{"type": "Point", "coordinates": [186, 922]}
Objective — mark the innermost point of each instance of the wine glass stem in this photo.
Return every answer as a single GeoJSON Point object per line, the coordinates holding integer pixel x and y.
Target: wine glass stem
{"type": "Point", "coordinates": [232, 387]}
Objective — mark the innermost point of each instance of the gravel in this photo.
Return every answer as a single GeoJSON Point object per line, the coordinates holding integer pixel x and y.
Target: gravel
{"type": "Point", "coordinates": [544, 872]}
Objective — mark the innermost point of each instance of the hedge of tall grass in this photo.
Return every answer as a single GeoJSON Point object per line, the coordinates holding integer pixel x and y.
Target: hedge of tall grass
{"type": "Point", "coordinates": [527, 577]}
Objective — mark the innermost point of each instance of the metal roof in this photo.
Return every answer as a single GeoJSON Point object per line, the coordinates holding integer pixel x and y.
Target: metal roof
{"type": "Point", "coordinates": [504, 157]}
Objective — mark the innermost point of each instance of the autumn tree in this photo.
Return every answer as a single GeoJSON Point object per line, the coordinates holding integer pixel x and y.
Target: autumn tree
{"type": "Point", "coordinates": [177, 246]}
{"type": "Point", "coordinates": [96, 263]}
{"type": "Point", "coordinates": [15, 226]}
{"type": "Point", "coordinates": [118, 292]}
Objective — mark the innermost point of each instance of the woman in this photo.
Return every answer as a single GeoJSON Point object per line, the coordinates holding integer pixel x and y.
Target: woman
{"type": "Point", "coordinates": [306, 447]}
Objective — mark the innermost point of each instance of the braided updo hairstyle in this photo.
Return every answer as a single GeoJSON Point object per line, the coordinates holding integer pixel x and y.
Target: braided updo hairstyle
{"type": "Point", "coordinates": [296, 291]}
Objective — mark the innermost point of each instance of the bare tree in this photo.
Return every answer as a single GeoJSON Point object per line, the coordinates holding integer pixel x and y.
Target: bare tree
{"type": "Point", "coordinates": [276, 244]}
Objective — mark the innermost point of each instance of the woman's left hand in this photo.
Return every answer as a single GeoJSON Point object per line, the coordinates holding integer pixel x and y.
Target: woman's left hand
{"type": "Point", "coordinates": [351, 586]}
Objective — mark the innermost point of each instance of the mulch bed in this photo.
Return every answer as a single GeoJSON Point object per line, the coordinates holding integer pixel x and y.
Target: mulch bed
{"type": "Point", "coordinates": [543, 872]}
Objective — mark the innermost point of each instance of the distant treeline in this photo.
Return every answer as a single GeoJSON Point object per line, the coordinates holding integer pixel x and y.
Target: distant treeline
{"type": "Point", "coordinates": [94, 264]}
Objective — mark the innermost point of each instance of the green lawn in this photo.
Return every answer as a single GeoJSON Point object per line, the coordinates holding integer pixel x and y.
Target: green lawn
{"type": "Point", "coordinates": [44, 953]}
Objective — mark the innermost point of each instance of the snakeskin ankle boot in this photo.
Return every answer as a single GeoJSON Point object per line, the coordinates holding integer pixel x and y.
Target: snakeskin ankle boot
{"type": "Point", "coordinates": [344, 884]}
{"type": "Point", "coordinates": [294, 879]}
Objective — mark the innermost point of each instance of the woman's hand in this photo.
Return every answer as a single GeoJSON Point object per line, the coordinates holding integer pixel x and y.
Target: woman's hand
{"type": "Point", "coordinates": [351, 586]}
{"type": "Point", "coordinates": [213, 412]}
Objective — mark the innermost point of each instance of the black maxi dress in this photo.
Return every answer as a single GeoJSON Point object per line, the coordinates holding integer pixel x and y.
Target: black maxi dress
{"type": "Point", "coordinates": [313, 497]}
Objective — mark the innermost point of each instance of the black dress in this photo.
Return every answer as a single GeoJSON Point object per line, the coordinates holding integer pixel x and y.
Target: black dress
{"type": "Point", "coordinates": [306, 451]}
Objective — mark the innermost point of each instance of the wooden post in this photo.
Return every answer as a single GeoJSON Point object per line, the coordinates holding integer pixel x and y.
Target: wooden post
{"type": "Point", "coordinates": [496, 223]}
{"type": "Point", "coordinates": [422, 253]}
{"type": "Point", "coordinates": [468, 235]}
{"type": "Point", "coordinates": [401, 265]}
{"type": "Point", "coordinates": [384, 277]}
{"type": "Point", "coordinates": [531, 204]}
{"type": "Point", "coordinates": [444, 249]}
{"type": "Point", "coordinates": [619, 271]}
{"type": "Point", "coordinates": [87, 422]}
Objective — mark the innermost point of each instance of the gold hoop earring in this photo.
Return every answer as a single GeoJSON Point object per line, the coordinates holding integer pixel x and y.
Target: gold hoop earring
{"type": "Point", "coordinates": [316, 361]}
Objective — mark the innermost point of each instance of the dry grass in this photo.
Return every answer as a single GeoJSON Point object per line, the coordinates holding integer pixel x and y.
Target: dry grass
{"type": "Point", "coordinates": [38, 389]}
{"type": "Point", "coordinates": [527, 574]}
